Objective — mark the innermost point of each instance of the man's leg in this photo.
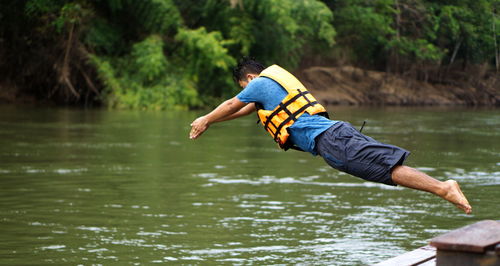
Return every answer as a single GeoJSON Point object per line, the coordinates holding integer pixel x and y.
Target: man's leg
{"type": "Point", "coordinates": [448, 190]}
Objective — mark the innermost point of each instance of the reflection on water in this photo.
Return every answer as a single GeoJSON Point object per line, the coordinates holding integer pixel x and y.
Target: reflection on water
{"type": "Point", "coordinates": [96, 186]}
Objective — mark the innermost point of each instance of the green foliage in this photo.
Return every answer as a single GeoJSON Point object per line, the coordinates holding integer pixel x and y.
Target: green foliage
{"type": "Point", "coordinates": [106, 74]}
{"type": "Point", "coordinates": [103, 38]}
{"type": "Point", "coordinates": [284, 27]}
{"type": "Point", "coordinates": [149, 62]}
{"type": "Point", "coordinates": [467, 26]}
{"type": "Point", "coordinates": [154, 16]}
{"type": "Point", "coordinates": [71, 13]}
{"type": "Point", "coordinates": [165, 16]}
{"type": "Point", "coordinates": [144, 80]}
{"type": "Point", "coordinates": [58, 13]}
{"type": "Point", "coordinates": [35, 8]}
{"type": "Point", "coordinates": [163, 54]}
{"type": "Point", "coordinates": [419, 49]}
{"type": "Point", "coordinates": [274, 31]}
{"type": "Point", "coordinates": [364, 27]}
{"type": "Point", "coordinates": [416, 30]}
{"type": "Point", "coordinates": [206, 58]}
{"type": "Point", "coordinates": [316, 21]}
{"type": "Point", "coordinates": [204, 50]}
{"type": "Point", "coordinates": [241, 33]}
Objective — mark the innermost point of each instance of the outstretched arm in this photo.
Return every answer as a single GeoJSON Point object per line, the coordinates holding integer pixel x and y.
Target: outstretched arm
{"type": "Point", "coordinates": [246, 110]}
{"type": "Point", "coordinates": [221, 113]}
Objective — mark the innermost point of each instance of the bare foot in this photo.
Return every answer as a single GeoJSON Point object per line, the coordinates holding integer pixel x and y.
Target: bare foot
{"type": "Point", "coordinates": [453, 194]}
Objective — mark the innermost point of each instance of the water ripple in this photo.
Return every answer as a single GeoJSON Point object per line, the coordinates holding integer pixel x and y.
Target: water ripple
{"type": "Point", "coordinates": [266, 180]}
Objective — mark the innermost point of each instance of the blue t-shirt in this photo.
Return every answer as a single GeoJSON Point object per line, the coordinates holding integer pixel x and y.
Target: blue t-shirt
{"type": "Point", "coordinates": [270, 93]}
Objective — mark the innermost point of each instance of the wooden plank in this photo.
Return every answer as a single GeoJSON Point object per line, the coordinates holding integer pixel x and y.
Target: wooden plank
{"type": "Point", "coordinates": [414, 257]}
{"type": "Point", "coordinates": [431, 262]}
{"type": "Point", "coordinates": [460, 258]}
{"type": "Point", "coordinates": [472, 238]}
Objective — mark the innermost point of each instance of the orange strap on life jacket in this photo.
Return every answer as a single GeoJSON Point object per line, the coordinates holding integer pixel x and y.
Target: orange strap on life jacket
{"type": "Point", "coordinates": [297, 102]}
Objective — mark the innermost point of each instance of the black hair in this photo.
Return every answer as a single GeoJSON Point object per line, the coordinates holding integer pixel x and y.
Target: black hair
{"type": "Point", "coordinates": [246, 66]}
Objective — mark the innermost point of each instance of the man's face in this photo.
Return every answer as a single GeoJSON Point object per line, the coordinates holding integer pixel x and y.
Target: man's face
{"type": "Point", "coordinates": [243, 83]}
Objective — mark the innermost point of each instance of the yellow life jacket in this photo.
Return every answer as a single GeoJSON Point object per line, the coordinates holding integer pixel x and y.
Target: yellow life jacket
{"type": "Point", "coordinates": [297, 102]}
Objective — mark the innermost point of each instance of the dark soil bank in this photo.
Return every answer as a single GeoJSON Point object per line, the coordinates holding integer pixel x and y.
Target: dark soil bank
{"type": "Point", "coordinates": [353, 86]}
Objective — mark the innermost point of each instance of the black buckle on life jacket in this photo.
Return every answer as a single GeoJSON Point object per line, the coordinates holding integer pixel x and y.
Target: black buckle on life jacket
{"type": "Point", "coordinates": [282, 106]}
{"type": "Point", "coordinates": [291, 116]}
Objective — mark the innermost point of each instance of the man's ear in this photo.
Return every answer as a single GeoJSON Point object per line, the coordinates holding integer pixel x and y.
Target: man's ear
{"type": "Point", "coordinates": [251, 76]}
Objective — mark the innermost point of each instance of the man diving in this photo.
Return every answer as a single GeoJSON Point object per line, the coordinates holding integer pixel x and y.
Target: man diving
{"type": "Point", "coordinates": [294, 119]}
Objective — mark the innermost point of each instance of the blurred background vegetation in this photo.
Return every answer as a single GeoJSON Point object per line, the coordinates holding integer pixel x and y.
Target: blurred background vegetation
{"type": "Point", "coordinates": [164, 54]}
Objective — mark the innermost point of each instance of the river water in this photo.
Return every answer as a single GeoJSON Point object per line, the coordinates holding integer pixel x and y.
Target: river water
{"type": "Point", "coordinates": [126, 187]}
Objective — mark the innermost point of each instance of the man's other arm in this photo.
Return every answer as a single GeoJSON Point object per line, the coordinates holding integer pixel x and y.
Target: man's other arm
{"type": "Point", "coordinates": [246, 110]}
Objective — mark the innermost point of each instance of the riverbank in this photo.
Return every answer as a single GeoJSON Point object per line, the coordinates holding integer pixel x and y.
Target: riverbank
{"type": "Point", "coordinates": [354, 86]}
{"type": "Point", "coordinates": [11, 94]}
{"type": "Point", "coordinates": [348, 85]}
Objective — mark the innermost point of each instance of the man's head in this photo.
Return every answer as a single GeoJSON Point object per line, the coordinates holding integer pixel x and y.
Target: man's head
{"type": "Point", "coordinates": [246, 70]}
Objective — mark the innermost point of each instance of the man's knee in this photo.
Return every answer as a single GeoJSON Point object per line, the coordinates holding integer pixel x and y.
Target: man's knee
{"type": "Point", "coordinates": [399, 170]}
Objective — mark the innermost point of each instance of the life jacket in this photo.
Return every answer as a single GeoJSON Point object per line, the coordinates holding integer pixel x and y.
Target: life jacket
{"type": "Point", "coordinates": [297, 102]}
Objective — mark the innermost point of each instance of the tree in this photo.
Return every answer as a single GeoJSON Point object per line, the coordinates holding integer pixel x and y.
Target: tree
{"type": "Point", "coordinates": [162, 54]}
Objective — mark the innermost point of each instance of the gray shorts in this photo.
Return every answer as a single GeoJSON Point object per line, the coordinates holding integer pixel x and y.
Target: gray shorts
{"type": "Point", "coordinates": [346, 149]}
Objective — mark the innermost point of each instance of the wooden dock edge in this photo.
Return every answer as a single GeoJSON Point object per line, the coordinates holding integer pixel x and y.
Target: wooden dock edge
{"type": "Point", "coordinates": [425, 254]}
{"type": "Point", "coordinates": [477, 244]}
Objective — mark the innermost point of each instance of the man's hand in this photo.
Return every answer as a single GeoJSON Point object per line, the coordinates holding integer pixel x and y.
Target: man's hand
{"type": "Point", "coordinates": [198, 126]}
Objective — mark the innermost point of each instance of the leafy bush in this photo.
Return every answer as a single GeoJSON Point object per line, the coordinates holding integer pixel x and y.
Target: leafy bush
{"type": "Point", "coordinates": [162, 54]}
{"type": "Point", "coordinates": [145, 80]}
